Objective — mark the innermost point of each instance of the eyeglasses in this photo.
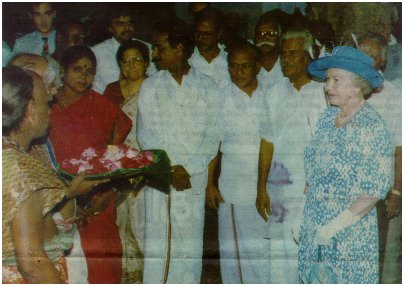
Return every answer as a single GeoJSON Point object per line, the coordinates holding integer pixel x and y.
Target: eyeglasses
{"type": "Point", "coordinates": [134, 61]}
{"type": "Point", "coordinates": [268, 34]}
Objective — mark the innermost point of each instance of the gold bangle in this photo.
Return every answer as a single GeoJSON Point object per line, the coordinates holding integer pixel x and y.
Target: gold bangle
{"type": "Point", "coordinates": [395, 192]}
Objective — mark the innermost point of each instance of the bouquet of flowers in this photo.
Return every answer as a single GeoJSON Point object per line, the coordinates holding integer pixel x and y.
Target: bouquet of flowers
{"type": "Point", "coordinates": [95, 161]}
{"type": "Point", "coordinates": [120, 161]}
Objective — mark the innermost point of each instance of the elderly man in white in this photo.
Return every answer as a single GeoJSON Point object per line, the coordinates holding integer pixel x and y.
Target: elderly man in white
{"type": "Point", "coordinates": [294, 106]}
{"type": "Point", "coordinates": [209, 56]}
{"type": "Point", "coordinates": [388, 103]}
{"type": "Point", "coordinates": [122, 29]}
{"type": "Point", "coordinates": [266, 39]}
{"type": "Point", "coordinates": [177, 112]}
{"type": "Point", "coordinates": [244, 250]}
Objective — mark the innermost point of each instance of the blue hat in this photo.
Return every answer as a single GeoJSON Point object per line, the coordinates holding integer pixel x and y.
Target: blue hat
{"type": "Point", "coordinates": [350, 59]}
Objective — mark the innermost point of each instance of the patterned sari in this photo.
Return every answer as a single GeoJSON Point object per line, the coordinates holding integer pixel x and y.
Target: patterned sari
{"type": "Point", "coordinates": [22, 176]}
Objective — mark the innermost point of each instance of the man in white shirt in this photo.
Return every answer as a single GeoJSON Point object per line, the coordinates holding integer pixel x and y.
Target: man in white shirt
{"type": "Point", "coordinates": [266, 39]}
{"type": "Point", "coordinates": [244, 249]}
{"type": "Point", "coordinates": [42, 40]}
{"type": "Point", "coordinates": [294, 106]}
{"type": "Point", "coordinates": [388, 103]}
{"type": "Point", "coordinates": [122, 29]}
{"type": "Point", "coordinates": [177, 112]}
{"type": "Point", "coordinates": [209, 56]}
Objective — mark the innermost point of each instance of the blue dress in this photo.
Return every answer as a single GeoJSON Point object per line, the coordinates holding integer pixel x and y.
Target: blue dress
{"type": "Point", "coordinates": [340, 165]}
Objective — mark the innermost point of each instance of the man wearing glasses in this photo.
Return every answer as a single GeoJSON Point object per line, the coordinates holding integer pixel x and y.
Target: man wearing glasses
{"type": "Point", "coordinates": [266, 39]}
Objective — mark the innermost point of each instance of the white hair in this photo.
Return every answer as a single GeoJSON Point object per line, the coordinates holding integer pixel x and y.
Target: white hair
{"type": "Point", "coordinates": [300, 33]}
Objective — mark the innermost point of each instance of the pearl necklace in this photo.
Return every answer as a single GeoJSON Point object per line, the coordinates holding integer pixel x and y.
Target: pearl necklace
{"type": "Point", "coordinates": [341, 121]}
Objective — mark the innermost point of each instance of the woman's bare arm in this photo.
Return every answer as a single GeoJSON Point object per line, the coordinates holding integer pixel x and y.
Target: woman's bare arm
{"type": "Point", "coordinates": [27, 230]}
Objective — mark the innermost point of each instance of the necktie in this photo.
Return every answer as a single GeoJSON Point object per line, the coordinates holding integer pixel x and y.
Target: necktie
{"type": "Point", "coordinates": [45, 50]}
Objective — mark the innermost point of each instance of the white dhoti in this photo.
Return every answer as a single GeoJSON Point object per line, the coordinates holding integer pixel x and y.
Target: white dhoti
{"type": "Point", "coordinates": [244, 250]}
{"type": "Point", "coordinates": [287, 202]}
{"type": "Point", "coordinates": [177, 258]}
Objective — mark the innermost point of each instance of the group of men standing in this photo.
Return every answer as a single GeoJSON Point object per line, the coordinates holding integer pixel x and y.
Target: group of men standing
{"type": "Point", "coordinates": [250, 106]}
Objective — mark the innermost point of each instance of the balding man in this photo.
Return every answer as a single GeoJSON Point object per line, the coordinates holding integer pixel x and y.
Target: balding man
{"type": "Point", "coordinates": [244, 250]}
{"type": "Point", "coordinates": [43, 66]}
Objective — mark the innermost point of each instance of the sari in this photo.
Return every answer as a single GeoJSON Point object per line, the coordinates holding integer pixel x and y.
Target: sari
{"type": "Point", "coordinates": [93, 121]}
{"type": "Point", "coordinates": [22, 176]}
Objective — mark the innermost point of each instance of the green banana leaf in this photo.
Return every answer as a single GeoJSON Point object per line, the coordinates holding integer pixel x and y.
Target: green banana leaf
{"type": "Point", "coordinates": [157, 175]}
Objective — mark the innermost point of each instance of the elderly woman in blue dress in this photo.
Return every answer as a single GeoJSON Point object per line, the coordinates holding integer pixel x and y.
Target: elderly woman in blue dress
{"type": "Point", "coordinates": [349, 167]}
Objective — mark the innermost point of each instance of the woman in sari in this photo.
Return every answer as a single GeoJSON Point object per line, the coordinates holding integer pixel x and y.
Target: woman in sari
{"type": "Point", "coordinates": [38, 213]}
{"type": "Point", "coordinates": [82, 118]}
{"type": "Point", "coordinates": [133, 60]}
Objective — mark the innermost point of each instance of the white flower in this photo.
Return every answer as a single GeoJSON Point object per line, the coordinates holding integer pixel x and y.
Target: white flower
{"type": "Point", "coordinates": [113, 153]}
{"type": "Point", "coordinates": [84, 166]}
{"type": "Point", "coordinates": [89, 153]}
{"type": "Point", "coordinates": [78, 162]}
{"type": "Point", "coordinates": [112, 165]}
{"type": "Point", "coordinates": [132, 153]}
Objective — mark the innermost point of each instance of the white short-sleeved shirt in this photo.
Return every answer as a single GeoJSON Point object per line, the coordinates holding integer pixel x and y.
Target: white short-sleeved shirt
{"type": "Point", "coordinates": [240, 127]}
{"type": "Point", "coordinates": [217, 69]}
{"type": "Point", "coordinates": [388, 104]}
{"type": "Point", "coordinates": [181, 118]}
{"type": "Point", "coordinates": [268, 78]}
{"type": "Point", "coordinates": [107, 66]}
{"type": "Point", "coordinates": [293, 116]}
{"type": "Point", "coordinates": [32, 43]}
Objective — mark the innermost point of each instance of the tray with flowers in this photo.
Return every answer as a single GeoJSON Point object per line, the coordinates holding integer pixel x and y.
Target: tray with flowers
{"type": "Point", "coordinates": [118, 162]}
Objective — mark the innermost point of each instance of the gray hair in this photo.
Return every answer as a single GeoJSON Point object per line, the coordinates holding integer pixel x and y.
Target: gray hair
{"type": "Point", "coordinates": [364, 86]}
{"type": "Point", "coordinates": [17, 92]}
{"type": "Point", "coordinates": [300, 33]}
{"type": "Point", "coordinates": [52, 73]}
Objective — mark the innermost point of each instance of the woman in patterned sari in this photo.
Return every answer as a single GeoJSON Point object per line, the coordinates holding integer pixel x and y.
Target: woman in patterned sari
{"type": "Point", "coordinates": [133, 60]}
{"type": "Point", "coordinates": [38, 213]}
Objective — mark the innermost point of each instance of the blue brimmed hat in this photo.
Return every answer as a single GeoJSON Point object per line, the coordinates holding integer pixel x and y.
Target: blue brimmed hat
{"type": "Point", "coordinates": [350, 59]}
